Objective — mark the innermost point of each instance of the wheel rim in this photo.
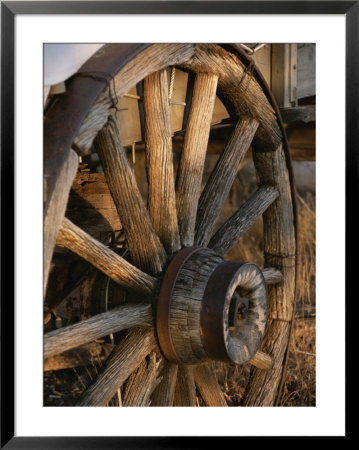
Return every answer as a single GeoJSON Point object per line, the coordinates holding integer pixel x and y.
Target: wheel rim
{"type": "Point", "coordinates": [173, 222]}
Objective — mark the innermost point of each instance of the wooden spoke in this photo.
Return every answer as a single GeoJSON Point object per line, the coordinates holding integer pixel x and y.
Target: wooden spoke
{"type": "Point", "coordinates": [56, 209]}
{"type": "Point", "coordinates": [272, 275]}
{"type": "Point", "coordinates": [142, 383]}
{"type": "Point", "coordinates": [263, 384]}
{"type": "Point", "coordinates": [227, 236]}
{"type": "Point", "coordinates": [190, 170]}
{"type": "Point", "coordinates": [124, 359]}
{"type": "Point", "coordinates": [165, 391]}
{"type": "Point", "coordinates": [221, 179]}
{"type": "Point", "coordinates": [185, 392]}
{"type": "Point", "coordinates": [261, 361]}
{"type": "Point", "coordinates": [146, 249]}
{"type": "Point", "coordinates": [161, 189]}
{"type": "Point", "coordinates": [121, 318]}
{"type": "Point", "coordinates": [115, 267]}
{"type": "Point", "coordinates": [80, 356]}
{"type": "Point", "coordinates": [207, 385]}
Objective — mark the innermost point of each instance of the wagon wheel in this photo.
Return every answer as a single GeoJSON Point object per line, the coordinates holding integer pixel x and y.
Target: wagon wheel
{"type": "Point", "coordinates": [185, 297]}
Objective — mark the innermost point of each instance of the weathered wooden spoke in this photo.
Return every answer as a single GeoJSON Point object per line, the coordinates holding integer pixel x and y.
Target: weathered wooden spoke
{"type": "Point", "coordinates": [229, 233]}
{"type": "Point", "coordinates": [146, 249]}
{"type": "Point", "coordinates": [142, 382]}
{"type": "Point", "coordinates": [185, 392]}
{"type": "Point", "coordinates": [221, 179]}
{"type": "Point", "coordinates": [264, 383]}
{"type": "Point", "coordinates": [262, 361]}
{"type": "Point", "coordinates": [121, 318]}
{"type": "Point", "coordinates": [272, 275]}
{"type": "Point", "coordinates": [113, 265]}
{"type": "Point", "coordinates": [161, 195]}
{"type": "Point", "coordinates": [78, 357]}
{"type": "Point", "coordinates": [207, 385]}
{"type": "Point", "coordinates": [189, 177]}
{"type": "Point", "coordinates": [123, 361]}
{"type": "Point", "coordinates": [165, 392]}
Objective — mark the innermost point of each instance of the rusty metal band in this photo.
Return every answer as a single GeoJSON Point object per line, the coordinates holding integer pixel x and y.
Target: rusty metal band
{"type": "Point", "coordinates": [211, 316]}
{"type": "Point", "coordinates": [164, 302]}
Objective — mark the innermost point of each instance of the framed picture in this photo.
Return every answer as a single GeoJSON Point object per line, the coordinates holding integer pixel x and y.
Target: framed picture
{"type": "Point", "coordinates": [43, 412]}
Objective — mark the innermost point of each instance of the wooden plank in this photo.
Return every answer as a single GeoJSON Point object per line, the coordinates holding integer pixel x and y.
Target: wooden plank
{"type": "Point", "coordinates": [128, 118]}
{"type": "Point", "coordinates": [304, 114]}
{"type": "Point", "coordinates": [300, 150]}
{"type": "Point", "coordinates": [284, 74]}
{"type": "Point", "coordinates": [91, 207]}
{"type": "Point", "coordinates": [178, 95]}
{"type": "Point", "coordinates": [306, 70]}
{"type": "Point", "coordinates": [263, 60]}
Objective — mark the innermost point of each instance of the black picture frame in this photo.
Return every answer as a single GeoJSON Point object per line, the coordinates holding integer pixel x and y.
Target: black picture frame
{"type": "Point", "coordinates": [9, 10]}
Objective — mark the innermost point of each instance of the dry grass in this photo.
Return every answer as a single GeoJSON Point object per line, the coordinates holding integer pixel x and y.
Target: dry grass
{"type": "Point", "coordinates": [300, 385]}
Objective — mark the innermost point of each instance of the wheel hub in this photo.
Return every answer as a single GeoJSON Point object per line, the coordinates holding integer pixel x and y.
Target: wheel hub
{"type": "Point", "coordinates": [210, 309]}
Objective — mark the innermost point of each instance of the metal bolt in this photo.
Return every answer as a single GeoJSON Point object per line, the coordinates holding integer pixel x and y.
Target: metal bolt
{"type": "Point", "coordinates": [238, 310]}
{"type": "Point", "coordinates": [242, 310]}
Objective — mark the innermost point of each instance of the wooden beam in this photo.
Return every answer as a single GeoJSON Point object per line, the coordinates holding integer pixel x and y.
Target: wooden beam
{"type": "Point", "coordinates": [304, 114]}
